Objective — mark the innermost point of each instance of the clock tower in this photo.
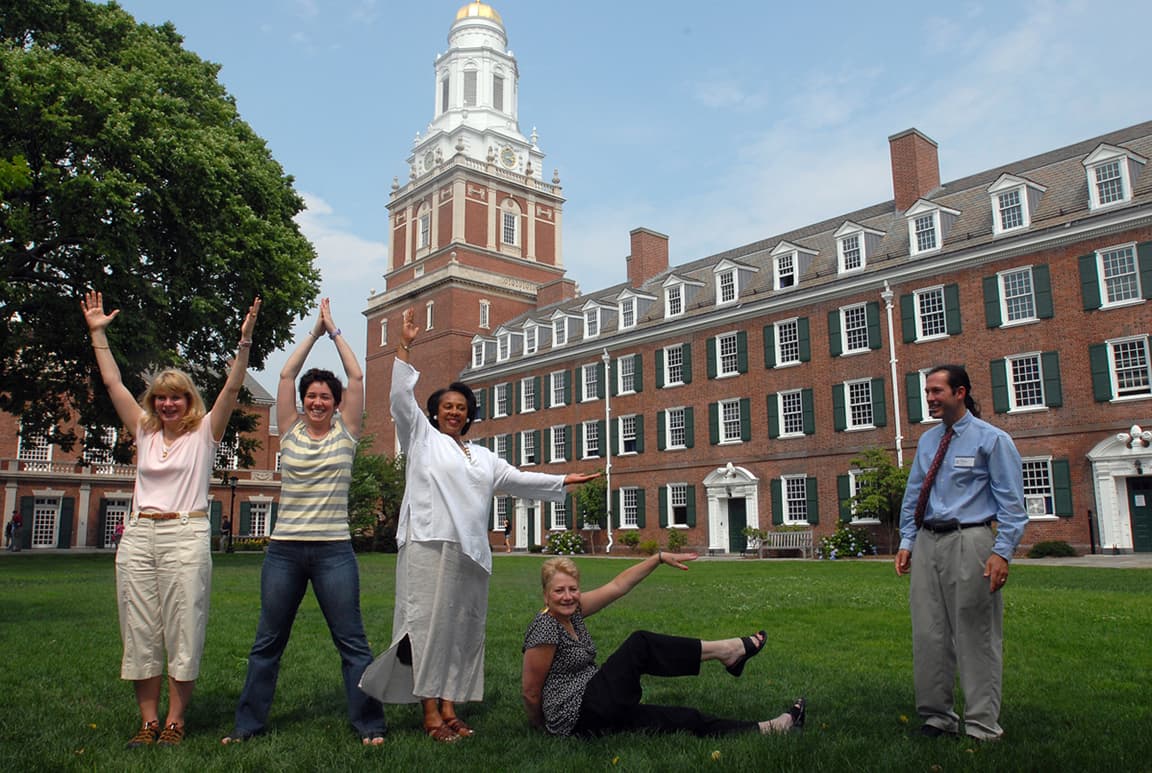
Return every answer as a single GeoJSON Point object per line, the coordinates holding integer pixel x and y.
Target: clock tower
{"type": "Point", "coordinates": [475, 230]}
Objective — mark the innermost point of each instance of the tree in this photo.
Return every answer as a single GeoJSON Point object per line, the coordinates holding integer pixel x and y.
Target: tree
{"type": "Point", "coordinates": [375, 494]}
{"type": "Point", "coordinates": [880, 489]}
{"type": "Point", "coordinates": [125, 167]}
{"type": "Point", "coordinates": [590, 502]}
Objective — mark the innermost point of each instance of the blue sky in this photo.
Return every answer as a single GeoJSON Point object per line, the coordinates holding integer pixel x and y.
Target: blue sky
{"type": "Point", "coordinates": [716, 123]}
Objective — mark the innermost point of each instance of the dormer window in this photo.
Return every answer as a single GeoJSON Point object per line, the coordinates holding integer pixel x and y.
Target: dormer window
{"type": "Point", "coordinates": [928, 224]}
{"type": "Point", "coordinates": [788, 264]}
{"type": "Point", "coordinates": [1013, 201]}
{"type": "Point", "coordinates": [850, 250]}
{"type": "Point", "coordinates": [674, 300]}
{"type": "Point", "coordinates": [503, 346]}
{"type": "Point", "coordinates": [854, 243]}
{"type": "Point", "coordinates": [560, 331]}
{"type": "Point", "coordinates": [1112, 172]}
{"type": "Point", "coordinates": [531, 339]}
{"type": "Point", "coordinates": [727, 289]}
{"type": "Point", "coordinates": [924, 231]}
{"type": "Point", "coordinates": [627, 313]}
{"type": "Point", "coordinates": [592, 322]}
{"type": "Point", "coordinates": [477, 354]}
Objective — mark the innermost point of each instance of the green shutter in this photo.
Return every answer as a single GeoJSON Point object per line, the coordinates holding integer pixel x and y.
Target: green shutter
{"type": "Point", "coordinates": [601, 379]}
{"type": "Point", "coordinates": [517, 395]}
{"type": "Point", "coordinates": [659, 368]}
{"type": "Point", "coordinates": [813, 501]}
{"type": "Point", "coordinates": [640, 520]}
{"type": "Point", "coordinates": [1101, 372]}
{"type": "Point", "coordinates": [639, 434]}
{"type": "Point", "coordinates": [569, 520]}
{"type": "Point", "coordinates": [245, 525]}
{"type": "Point", "coordinates": [844, 494]}
{"type": "Point", "coordinates": [872, 316]}
{"type": "Point", "coordinates": [1089, 282]}
{"type": "Point", "coordinates": [912, 397]}
{"type": "Point", "coordinates": [1062, 488]}
{"type": "Point", "coordinates": [578, 430]}
{"type": "Point", "coordinates": [613, 375]}
{"type": "Point", "coordinates": [777, 502]}
{"type": "Point", "coordinates": [745, 419]}
{"type": "Point", "coordinates": [216, 515]}
{"type": "Point", "coordinates": [710, 347]}
{"type": "Point", "coordinates": [770, 346]}
{"type": "Point", "coordinates": [879, 404]}
{"type": "Point", "coordinates": [605, 442]}
{"type": "Point", "coordinates": [808, 406]}
{"type": "Point", "coordinates": [67, 515]}
{"type": "Point", "coordinates": [661, 432]}
{"type": "Point", "coordinates": [839, 417]}
{"type": "Point", "coordinates": [686, 349]}
{"type": "Point", "coordinates": [637, 373]}
{"type": "Point", "coordinates": [614, 441]}
{"type": "Point", "coordinates": [1000, 401]}
{"type": "Point", "coordinates": [741, 351]}
{"type": "Point", "coordinates": [804, 339]}
{"type": "Point", "coordinates": [577, 385]}
{"type": "Point", "coordinates": [567, 443]}
{"type": "Point", "coordinates": [28, 514]}
{"type": "Point", "coordinates": [714, 423]}
{"type": "Point", "coordinates": [992, 301]}
{"type": "Point", "coordinates": [689, 427]}
{"type": "Point", "coordinates": [481, 401]}
{"type": "Point", "coordinates": [664, 506]}
{"type": "Point", "coordinates": [691, 506]}
{"type": "Point", "coordinates": [1144, 259]}
{"type": "Point", "coordinates": [773, 416]}
{"type": "Point", "coordinates": [101, 522]}
{"type": "Point", "coordinates": [536, 393]}
{"type": "Point", "coordinates": [273, 511]}
{"type": "Point", "coordinates": [567, 387]}
{"type": "Point", "coordinates": [835, 344]}
{"type": "Point", "coordinates": [616, 510]}
{"type": "Point", "coordinates": [1053, 393]}
{"type": "Point", "coordinates": [1042, 287]}
{"type": "Point", "coordinates": [952, 310]}
{"type": "Point", "coordinates": [908, 317]}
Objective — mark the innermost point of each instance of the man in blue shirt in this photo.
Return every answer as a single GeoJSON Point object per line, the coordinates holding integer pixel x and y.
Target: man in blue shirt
{"type": "Point", "coordinates": [965, 497]}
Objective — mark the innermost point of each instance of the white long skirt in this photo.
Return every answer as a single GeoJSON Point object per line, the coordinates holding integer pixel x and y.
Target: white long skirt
{"type": "Point", "coordinates": [442, 607]}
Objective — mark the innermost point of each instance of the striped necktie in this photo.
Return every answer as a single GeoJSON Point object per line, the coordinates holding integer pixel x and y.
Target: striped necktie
{"type": "Point", "coordinates": [930, 476]}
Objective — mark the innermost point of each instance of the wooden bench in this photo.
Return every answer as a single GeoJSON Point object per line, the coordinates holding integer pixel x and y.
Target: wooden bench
{"type": "Point", "coordinates": [800, 539]}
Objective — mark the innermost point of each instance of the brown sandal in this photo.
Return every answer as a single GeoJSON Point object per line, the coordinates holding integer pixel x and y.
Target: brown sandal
{"type": "Point", "coordinates": [171, 735]}
{"type": "Point", "coordinates": [146, 735]}
{"type": "Point", "coordinates": [441, 733]}
{"type": "Point", "coordinates": [458, 727]}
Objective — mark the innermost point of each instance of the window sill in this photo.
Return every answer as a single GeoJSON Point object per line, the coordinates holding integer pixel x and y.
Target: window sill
{"type": "Point", "coordinates": [1019, 322]}
{"type": "Point", "coordinates": [789, 364]}
{"type": "Point", "coordinates": [855, 352]}
{"type": "Point", "coordinates": [1028, 409]}
{"type": "Point", "coordinates": [1042, 518]}
{"type": "Point", "coordinates": [676, 448]}
{"type": "Point", "coordinates": [671, 384]}
{"type": "Point", "coordinates": [732, 442]}
{"type": "Point", "coordinates": [1130, 398]}
{"type": "Point", "coordinates": [1122, 304]}
{"type": "Point", "coordinates": [790, 436]}
{"type": "Point", "coordinates": [682, 526]}
{"type": "Point", "coordinates": [861, 428]}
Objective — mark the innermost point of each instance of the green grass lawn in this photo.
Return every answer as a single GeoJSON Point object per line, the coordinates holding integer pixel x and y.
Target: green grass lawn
{"type": "Point", "coordinates": [1078, 667]}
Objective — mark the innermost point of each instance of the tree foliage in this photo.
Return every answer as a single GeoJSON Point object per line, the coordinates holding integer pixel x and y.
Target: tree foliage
{"type": "Point", "coordinates": [880, 489]}
{"type": "Point", "coordinates": [375, 494]}
{"type": "Point", "coordinates": [590, 501]}
{"type": "Point", "coordinates": [125, 167]}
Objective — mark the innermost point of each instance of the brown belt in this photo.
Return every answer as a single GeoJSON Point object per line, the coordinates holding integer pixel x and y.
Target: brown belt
{"type": "Point", "coordinates": [172, 516]}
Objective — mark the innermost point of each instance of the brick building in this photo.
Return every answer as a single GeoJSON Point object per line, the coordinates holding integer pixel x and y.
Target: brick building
{"type": "Point", "coordinates": [735, 390]}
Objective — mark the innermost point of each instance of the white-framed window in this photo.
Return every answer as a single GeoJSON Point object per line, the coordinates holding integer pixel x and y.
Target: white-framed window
{"type": "Point", "coordinates": [45, 521]}
{"type": "Point", "coordinates": [560, 331]}
{"type": "Point", "coordinates": [1010, 210]}
{"type": "Point", "coordinates": [930, 318]}
{"type": "Point", "coordinates": [628, 444]}
{"type": "Point", "coordinates": [477, 354]}
{"type": "Point", "coordinates": [791, 413]}
{"type": "Point", "coordinates": [854, 325]}
{"type": "Point", "coordinates": [626, 374]}
{"type": "Point", "coordinates": [116, 512]}
{"type": "Point", "coordinates": [424, 229]}
{"type": "Point", "coordinates": [1119, 275]}
{"type": "Point", "coordinates": [470, 88]}
{"type": "Point", "coordinates": [727, 355]}
{"type": "Point", "coordinates": [498, 92]}
{"type": "Point", "coordinates": [1026, 382]}
{"type": "Point", "coordinates": [226, 454]}
{"type": "Point", "coordinates": [674, 365]}
{"type": "Point", "coordinates": [500, 400]}
{"type": "Point", "coordinates": [630, 507]}
{"type": "Point", "coordinates": [676, 428]}
{"type": "Point", "coordinates": [531, 339]}
{"type": "Point", "coordinates": [627, 313]}
{"type": "Point", "coordinates": [925, 416]}
{"type": "Point", "coordinates": [787, 342]}
{"type": "Point", "coordinates": [444, 103]}
{"type": "Point", "coordinates": [589, 383]}
{"type": "Point", "coordinates": [559, 516]}
{"type": "Point", "coordinates": [850, 251]}
{"type": "Point", "coordinates": [784, 270]}
{"type": "Point", "coordinates": [383, 332]}
{"type": "Point", "coordinates": [527, 394]}
{"type": "Point", "coordinates": [276, 466]}
{"type": "Point", "coordinates": [1131, 374]}
{"type": "Point", "coordinates": [1108, 183]}
{"type": "Point", "coordinates": [859, 403]}
{"type": "Point", "coordinates": [430, 315]}
{"type": "Point", "coordinates": [1017, 295]}
{"type": "Point", "coordinates": [1039, 494]}
{"type": "Point", "coordinates": [503, 347]}
{"type": "Point", "coordinates": [729, 425]}
{"type": "Point", "coordinates": [528, 448]}
{"type": "Point", "coordinates": [925, 232]}
{"type": "Point", "coordinates": [559, 435]}
{"type": "Point", "coordinates": [856, 485]}
{"type": "Point", "coordinates": [510, 223]}
{"type": "Point", "coordinates": [592, 322]}
{"type": "Point", "coordinates": [500, 509]}
{"type": "Point", "coordinates": [795, 491]}
{"type": "Point", "coordinates": [674, 300]}
{"type": "Point", "coordinates": [677, 504]}
{"type": "Point", "coordinates": [260, 512]}
{"type": "Point", "coordinates": [590, 440]}
{"type": "Point", "coordinates": [727, 287]}
{"type": "Point", "coordinates": [556, 388]}
{"type": "Point", "coordinates": [485, 314]}
{"type": "Point", "coordinates": [99, 458]}
{"type": "Point", "coordinates": [501, 447]}
{"type": "Point", "coordinates": [34, 449]}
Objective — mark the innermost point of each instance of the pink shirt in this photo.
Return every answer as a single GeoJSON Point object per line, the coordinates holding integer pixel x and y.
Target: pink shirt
{"type": "Point", "coordinates": [174, 479]}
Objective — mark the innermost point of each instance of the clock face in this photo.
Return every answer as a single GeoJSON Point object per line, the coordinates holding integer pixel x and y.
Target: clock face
{"type": "Point", "coordinates": [508, 157]}
{"type": "Point", "coordinates": [429, 159]}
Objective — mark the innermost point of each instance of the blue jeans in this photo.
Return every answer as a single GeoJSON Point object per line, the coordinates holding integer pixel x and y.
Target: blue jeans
{"type": "Point", "coordinates": [335, 576]}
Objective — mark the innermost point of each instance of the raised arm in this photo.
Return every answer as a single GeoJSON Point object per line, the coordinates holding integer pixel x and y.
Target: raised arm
{"type": "Point", "coordinates": [352, 404]}
{"type": "Point", "coordinates": [593, 601]}
{"type": "Point", "coordinates": [537, 662]}
{"type": "Point", "coordinates": [286, 414]}
{"type": "Point", "coordinates": [408, 332]}
{"type": "Point", "coordinates": [226, 400]}
{"type": "Point", "coordinates": [129, 411]}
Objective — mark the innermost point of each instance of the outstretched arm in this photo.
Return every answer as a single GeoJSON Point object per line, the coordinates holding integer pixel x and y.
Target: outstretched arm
{"type": "Point", "coordinates": [226, 400]}
{"type": "Point", "coordinates": [129, 411]}
{"type": "Point", "coordinates": [593, 601]}
{"type": "Point", "coordinates": [286, 414]}
{"type": "Point", "coordinates": [352, 404]}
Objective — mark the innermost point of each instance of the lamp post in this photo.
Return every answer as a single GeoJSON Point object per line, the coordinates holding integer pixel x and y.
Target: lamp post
{"type": "Point", "coordinates": [232, 481]}
{"type": "Point", "coordinates": [607, 441]}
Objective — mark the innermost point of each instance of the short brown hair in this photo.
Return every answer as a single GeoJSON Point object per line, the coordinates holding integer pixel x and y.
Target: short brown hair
{"type": "Point", "coordinates": [555, 566]}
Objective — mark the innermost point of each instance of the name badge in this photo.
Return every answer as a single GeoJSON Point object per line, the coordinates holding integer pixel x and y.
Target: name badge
{"type": "Point", "coordinates": [965, 461]}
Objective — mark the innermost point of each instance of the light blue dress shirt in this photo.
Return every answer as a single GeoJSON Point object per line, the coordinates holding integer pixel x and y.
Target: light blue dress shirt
{"type": "Point", "coordinates": [981, 478]}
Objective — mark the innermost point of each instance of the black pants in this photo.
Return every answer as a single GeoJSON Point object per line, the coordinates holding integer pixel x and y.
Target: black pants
{"type": "Point", "coordinates": [612, 698]}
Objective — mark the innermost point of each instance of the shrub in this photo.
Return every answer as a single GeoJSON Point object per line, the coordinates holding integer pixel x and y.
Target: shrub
{"type": "Point", "coordinates": [565, 543]}
{"type": "Point", "coordinates": [677, 540]}
{"type": "Point", "coordinates": [649, 546]}
{"type": "Point", "coordinates": [846, 542]}
{"type": "Point", "coordinates": [1053, 548]}
{"type": "Point", "coordinates": [629, 539]}
{"type": "Point", "coordinates": [249, 544]}
{"type": "Point", "coordinates": [535, 548]}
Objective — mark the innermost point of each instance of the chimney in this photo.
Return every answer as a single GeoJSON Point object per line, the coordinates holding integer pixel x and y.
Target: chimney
{"type": "Point", "coordinates": [915, 167]}
{"type": "Point", "coordinates": [556, 291]}
{"type": "Point", "coordinates": [649, 256]}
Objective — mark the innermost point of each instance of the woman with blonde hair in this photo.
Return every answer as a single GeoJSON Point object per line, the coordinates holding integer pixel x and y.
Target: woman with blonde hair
{"type": "Point", "coordinates": [164, 561]}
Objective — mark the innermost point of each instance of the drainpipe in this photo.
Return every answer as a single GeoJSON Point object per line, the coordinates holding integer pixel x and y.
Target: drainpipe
{"type": "Point", "coordinates": [608, 444]}
{"type": "Point", "coordinates": [887, 295]}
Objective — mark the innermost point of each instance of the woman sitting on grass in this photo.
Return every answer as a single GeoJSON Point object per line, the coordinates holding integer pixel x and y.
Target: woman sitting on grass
{"type": "Point", "coordinates": [566, 694]}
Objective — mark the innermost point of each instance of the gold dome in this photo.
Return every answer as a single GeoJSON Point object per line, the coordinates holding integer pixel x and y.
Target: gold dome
{"type": "Point", "coordinates": [478, 10]}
